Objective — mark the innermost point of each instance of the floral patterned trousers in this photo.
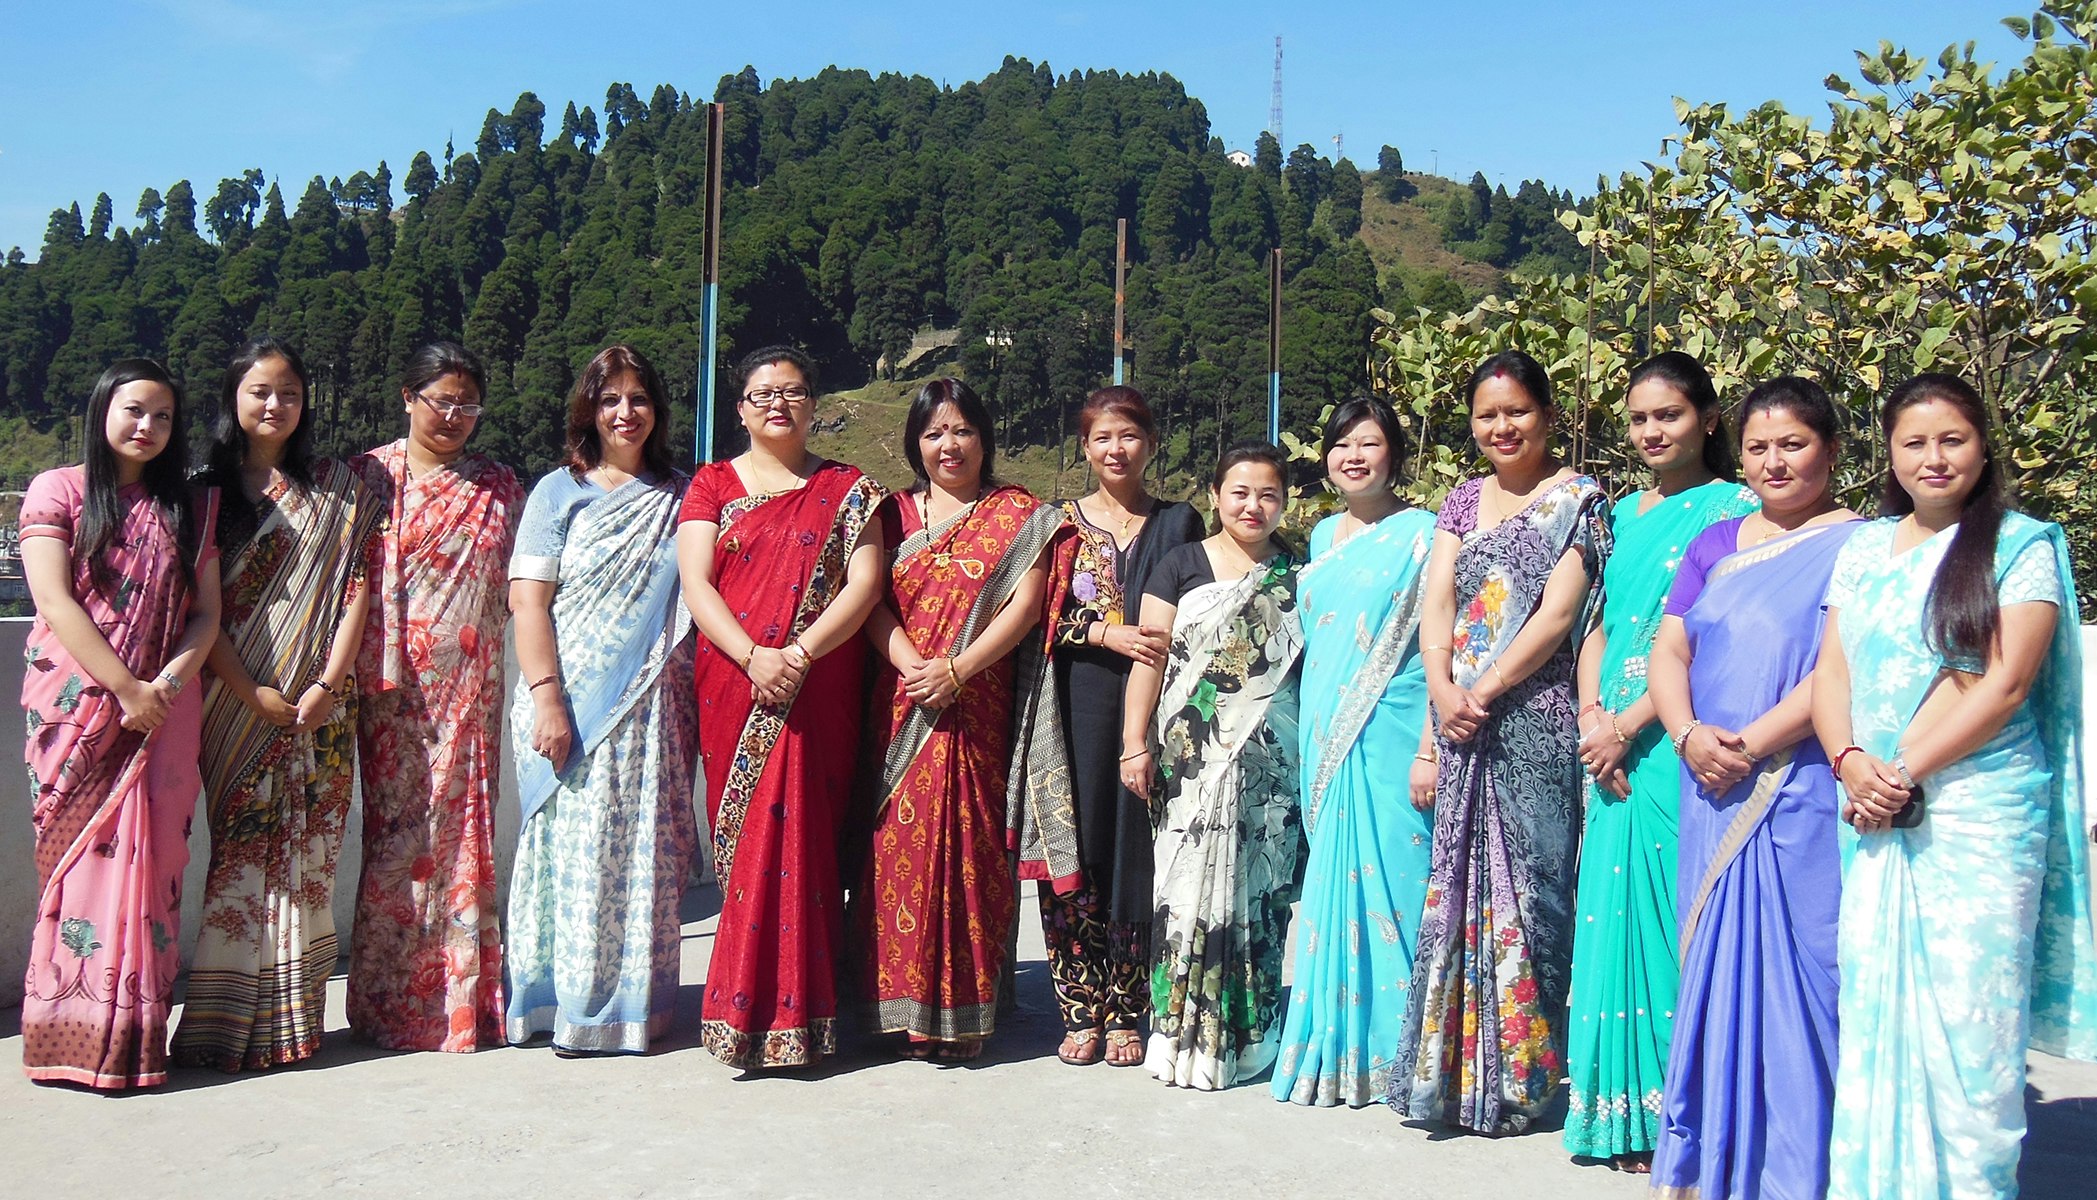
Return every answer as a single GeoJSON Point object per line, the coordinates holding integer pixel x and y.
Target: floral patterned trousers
{"type": "Point", "coordinates": [1100, 968]}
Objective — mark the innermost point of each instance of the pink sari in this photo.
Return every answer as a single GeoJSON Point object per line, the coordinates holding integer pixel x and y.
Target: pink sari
{"type": "Point", "coordinates": [111, 807]}
{"type": "Point", "coordinates": [426, 955]}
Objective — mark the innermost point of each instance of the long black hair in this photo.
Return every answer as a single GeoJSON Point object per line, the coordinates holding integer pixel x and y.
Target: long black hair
{"type": "Point", "coordinates": [1348, 413]}
{"type": "Point", "coordinates": [1687, 377]}
{"type": "Point", "coordinates": [166, 477]}
{"type": "Point", "coordinates": [1527, 374]}
{"type": "Point", "coordinates": [925, 403]}
{"type": "Point", "coordinates": [229, 442]}
{"type": "Point", "coordinates": [435, 360]}
{"type": "Point", "coordinates": [1964, 610]}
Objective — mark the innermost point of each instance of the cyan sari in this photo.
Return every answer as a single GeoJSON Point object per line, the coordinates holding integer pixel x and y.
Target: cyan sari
{"type": "Point", "coordinates": [1751, 1070]}
{"type": "Point", "coordinates": [607, 840]}
{"type": "Point", "coordinates": [1624, 968]}
{"type": "Point", "coordinates": [1967, 939]}
{"type": "Point", "coordinates": [1364, 696]}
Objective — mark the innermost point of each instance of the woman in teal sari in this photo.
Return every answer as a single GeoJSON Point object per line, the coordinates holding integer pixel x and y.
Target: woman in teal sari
{"type": "Point", "coordinates": [1364, 709]}
{"type": "Point", "coordinates": [606, 726]}
{"type": "Point", "coordinates": [1948, 699]}
{"type": "Point", "coordinates": [1624, 965]}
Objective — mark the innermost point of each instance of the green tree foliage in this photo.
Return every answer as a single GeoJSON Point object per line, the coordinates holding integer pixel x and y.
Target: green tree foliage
{"type": "Point", "coordinates": [1345, 214]}
{"type": "Point", "coordinates": [1940, 219]}
{"type": "Point", "coordinates": [859, 209]}
{"type": "Point", "coordinates": [1390, 175]}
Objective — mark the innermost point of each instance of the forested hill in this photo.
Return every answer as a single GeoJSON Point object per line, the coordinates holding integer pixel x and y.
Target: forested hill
{"type": "Point", "coordinates": [859, 209]}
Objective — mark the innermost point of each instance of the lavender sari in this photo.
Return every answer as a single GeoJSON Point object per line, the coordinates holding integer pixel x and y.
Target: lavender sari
{"type": "Point", "coordinates": [1750, 1073]}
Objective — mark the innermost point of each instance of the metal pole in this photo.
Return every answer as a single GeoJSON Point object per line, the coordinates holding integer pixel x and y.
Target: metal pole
{"type": "Point", "coordinates": [710, 286]}
{"type": "Point", "coordinates": [1121, 272]}
{"type": "Point", "coordinates": [1274, 284]}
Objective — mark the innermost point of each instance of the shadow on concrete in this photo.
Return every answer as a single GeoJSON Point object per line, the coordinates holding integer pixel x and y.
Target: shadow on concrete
{"type": "Point", "coordinates": [2060, 1146]}
{"type": "Point", "coordinates": [337, 1049]}
{"type": "Point", "coordinates": [1551, 1121]}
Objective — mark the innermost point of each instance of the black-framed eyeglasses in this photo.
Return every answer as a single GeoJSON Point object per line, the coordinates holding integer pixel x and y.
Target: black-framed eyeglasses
{"type": "Point", "coordinates": [450, 408]}
{"type": "Point", "coordinates": [771, 397]}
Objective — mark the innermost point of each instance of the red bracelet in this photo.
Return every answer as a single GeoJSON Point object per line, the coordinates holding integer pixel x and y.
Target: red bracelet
{"type": "Point", "coordinates": [1845, 752]}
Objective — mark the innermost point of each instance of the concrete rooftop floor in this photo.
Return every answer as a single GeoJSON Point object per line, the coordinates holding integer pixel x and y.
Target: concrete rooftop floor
{"type": "Point", "coordinates": [677, 1123]}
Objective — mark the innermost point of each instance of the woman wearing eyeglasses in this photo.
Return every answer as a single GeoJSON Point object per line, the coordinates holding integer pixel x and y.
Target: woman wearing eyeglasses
{"type": "Point", "coordinates": [426, 961]}
{"type": "Point", "coordinates": [781, 564]}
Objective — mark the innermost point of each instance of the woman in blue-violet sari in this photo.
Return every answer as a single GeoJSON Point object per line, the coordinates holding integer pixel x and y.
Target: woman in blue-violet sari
{"type": "Point", "coordinates": [1360, 727]}
{"type": "Point", "coordinates": [1623, 997]}
{"type": "Point", "coordinates": [1751, 1068]}
{"type": "Point", "coordinates": [605, 725]}
{"type": "Point", "coordinates": [1948, 697]}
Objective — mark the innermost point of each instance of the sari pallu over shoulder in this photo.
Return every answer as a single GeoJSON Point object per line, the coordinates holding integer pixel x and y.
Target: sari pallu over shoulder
{"type": "Point", "coordinates": [615, 627]}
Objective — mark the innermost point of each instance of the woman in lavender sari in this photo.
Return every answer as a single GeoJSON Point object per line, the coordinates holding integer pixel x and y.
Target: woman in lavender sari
{"type": "Point", "coordinates": [1750, 1072]}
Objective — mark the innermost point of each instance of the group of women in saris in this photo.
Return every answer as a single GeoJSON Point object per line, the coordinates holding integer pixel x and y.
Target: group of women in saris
{"type": "Point", "coordinates": [1687, 778]}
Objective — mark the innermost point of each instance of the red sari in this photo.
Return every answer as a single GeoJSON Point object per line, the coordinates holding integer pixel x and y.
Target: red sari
{"type": "Point", "coordinates": [777, 776]}
{"type": "Point", "coordinates": [937, 895]}
{"type": "Point", "coordinates": [425, 969]}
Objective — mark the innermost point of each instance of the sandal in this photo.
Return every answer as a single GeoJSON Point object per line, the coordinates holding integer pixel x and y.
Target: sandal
{"type": "Point", "coordinates": [959, 1052]}
{"type": "Point", "coordinates": [1080, 1047]}
{"type": "Point", "coordinates": [1124, 1048]}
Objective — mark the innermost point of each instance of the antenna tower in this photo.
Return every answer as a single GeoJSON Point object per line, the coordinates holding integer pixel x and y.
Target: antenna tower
{"type": "Point", "coordinates": [1274, 122]}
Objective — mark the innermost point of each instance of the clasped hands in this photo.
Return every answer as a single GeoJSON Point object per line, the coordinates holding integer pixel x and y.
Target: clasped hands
{"type": "Point", "coordinates": [932, 683]}
{"type": "Point", "coordinates": [144, 703]}
{"type": "Point", "coordinates": [1873, 792]}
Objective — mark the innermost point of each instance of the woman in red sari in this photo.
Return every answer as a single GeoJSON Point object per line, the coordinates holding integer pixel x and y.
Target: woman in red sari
{"type": "Point", "coordinates": [967, 582]}
{"type": "Point", "coordinates": [124, 573]}
{"type": "Point", "coordinates": [425, 969]}
{"type": "Point", "coordinates": [780, 565]}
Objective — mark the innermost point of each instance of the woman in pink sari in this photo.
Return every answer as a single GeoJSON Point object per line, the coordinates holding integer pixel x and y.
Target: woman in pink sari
{"type": "Point", "coordinates": [781, 564]}
{"type": "Point", "coordinates": [425, 967]}
{"type": "Point", "coordinates": [121, 564]}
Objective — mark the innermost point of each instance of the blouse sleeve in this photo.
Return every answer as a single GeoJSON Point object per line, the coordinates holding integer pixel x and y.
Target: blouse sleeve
{"type": "Point", "coordinates": [1178, 574]}
{"type": "Point", "coordinates": [1704, 553]}
{"type": "Point", "coordinates": [1459, 513]}
{"type": "Point", "coordinates": [543, 530]}
{"type": "Point", "coordinates": [2034, 576]}
{"type": "Point", "coordinates": [1842, 582]}
{"type": "Point", "coordinates": [50, 506]}
{"type": "Point", "coordinates": [702, 501]}
{"type": "Point", "coordinates": [207, 509]}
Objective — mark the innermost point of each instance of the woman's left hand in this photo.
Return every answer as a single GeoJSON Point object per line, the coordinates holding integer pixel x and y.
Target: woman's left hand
{"type": "Point", "coordinates": [1420, 782]}
{"type": "Point", "coordinates": [933, 684]}
{"type": "Point", "coordinates": [315, 707]}
{"type": "Point", "coordinates": [1602, 752]}
{"type": "Point", "coordinates": [1135, 774]}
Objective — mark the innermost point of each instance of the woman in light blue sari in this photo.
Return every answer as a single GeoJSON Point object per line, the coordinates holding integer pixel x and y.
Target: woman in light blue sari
{"type": "Point", "coordinates": [605, 722]}
{"type": "Point", "coordinates": [1948, 699]}
{"type": "Point", "coordinates": [1364, 709]}
{"type": "Point", "coordinates": [1751, 1068]}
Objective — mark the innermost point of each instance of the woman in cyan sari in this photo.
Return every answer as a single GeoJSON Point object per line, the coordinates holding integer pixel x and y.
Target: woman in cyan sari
{"type": "Point", "coordinates": [1098, 936]}
{"type": "Point", "coordinates": [1363, 716]}
{"type": "Point", "coordinates": [280, 721]}
{"type": "Point", "coordinates": [122, 567]}
{"type": "Point", "coordinates": [603, 722]}
{"type": "Point", "coordinates": [1218, 765]}
{"type": "Point", "coordinates": [1624, 968]}
{"type": "Point", "coordinates": [1948, 698]}
{"type": "Point", "coordinates": [952, 731]}
{"type": "Point", "coordinates": [1750, 1072]}
{"type": "Point", "coordinates": [781, 564]}
{"type": "Point", "coordinates": [425, 970]}
{"type": "Point", "coordinates": [1512, 587]}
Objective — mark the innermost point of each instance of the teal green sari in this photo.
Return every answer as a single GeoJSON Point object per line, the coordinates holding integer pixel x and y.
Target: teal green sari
{"type": "Point", "coordinates": [1625, 970]}
{"type": "Point", "coordinates": [1967, 938]}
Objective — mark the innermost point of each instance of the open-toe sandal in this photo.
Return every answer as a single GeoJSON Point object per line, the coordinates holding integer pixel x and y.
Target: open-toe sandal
{"type": "Point", "coordinates": [1080, 1047]}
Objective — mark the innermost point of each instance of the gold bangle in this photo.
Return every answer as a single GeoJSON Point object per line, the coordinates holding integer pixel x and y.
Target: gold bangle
{"type": "Point", "coordinates": [1427, 758]}
{"type": "Point", "coordinates": [748, 655]}
{"type": "Point", "coordinates": [1429, 649]}
{"type": "Point", "coordinates": [953, 672]}
{"type": "Point", "coordinates": [806, 657]}
{"type": "Point", "coordinates": [1617, 729]}
{"type": "Point", "coordinates": [1501, 676]}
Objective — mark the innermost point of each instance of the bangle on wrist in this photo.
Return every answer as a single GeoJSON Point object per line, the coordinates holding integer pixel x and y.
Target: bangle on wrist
{"type": "Point", "coordinates": [953, 672]}
{"type": "Point", "coordinates": [1618, 730]}
{"type": "Point", "coordinates": [172, 680]}
{"type": "Point", "coordinates": [743, 662]}
{"type": "Point", "coordinates": [1845, 752]}
{"type": "Point", "coordinates": [322, 684]}
{"type": "Point", "coordinates": [798, 648]}
{"type": "Point", "coordinates": [1137, 754]}
{"type": "Point", "coordinates": [1427, 758]}
{"type": "Point", "coordinates": [1682, 739]}
{"type": "Point", "coordinates": [539, 683]}
{"type": "Point", "coordinates": [1432, 649]}
{"type": "Point", "coordinates": [1590, 706]}
{"type": "Point", "coordinates": [1501, 676]}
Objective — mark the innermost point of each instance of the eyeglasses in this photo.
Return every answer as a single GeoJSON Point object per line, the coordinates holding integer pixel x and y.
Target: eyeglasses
{"type": "Point", "coordinates": [448, 408]}
{"type": "Point", "coordinates": [770, 397]}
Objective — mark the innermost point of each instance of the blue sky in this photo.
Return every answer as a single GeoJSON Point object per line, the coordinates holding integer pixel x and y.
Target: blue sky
{"type": "Point", "coordinates": [126, 94]}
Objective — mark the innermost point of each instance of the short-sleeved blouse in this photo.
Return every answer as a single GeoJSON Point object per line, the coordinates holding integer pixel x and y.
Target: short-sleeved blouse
{"type": "Point", "coordinates": [56, 499]}
{"type": "Point", "coordinates": [1705, 551]}
{"type": "Point", "coordinates": [1180, 572]}
{"type": "Point", "coordinates": [542, 533]}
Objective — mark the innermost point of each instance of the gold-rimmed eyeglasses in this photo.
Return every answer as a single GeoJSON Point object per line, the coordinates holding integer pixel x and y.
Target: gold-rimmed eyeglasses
{"type": "Point", "coordinates": [449, 408]}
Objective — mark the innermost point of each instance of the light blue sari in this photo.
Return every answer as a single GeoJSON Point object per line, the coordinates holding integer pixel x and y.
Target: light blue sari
{"type": "Point", "coordinates": [1364, 700]}
{"type": "Point", "coordinates": [1968, 938]}
{"type": "Point", "coordinates": [606, 844]}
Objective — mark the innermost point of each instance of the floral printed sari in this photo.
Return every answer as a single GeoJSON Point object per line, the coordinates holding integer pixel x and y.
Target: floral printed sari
{"type": "Point", "coordinates": [935, 903]}
{"type": "Point", "coordinates": [1966, 939]}
{"type": "Point", "coordinates": [1229, 834]}
{"type": "Point", "coordinates": [778, 776]}
{"type": "Point", "coordinates": [606, 841]}
{"type": "Point", "coordinates": [425, 967]}
{"type": "Point", "coordinates": [277, 799]}
{"type": "Point", "coordinates": [111, 807]}
{"type": "Point", "coordinates": [1483, 1044]}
